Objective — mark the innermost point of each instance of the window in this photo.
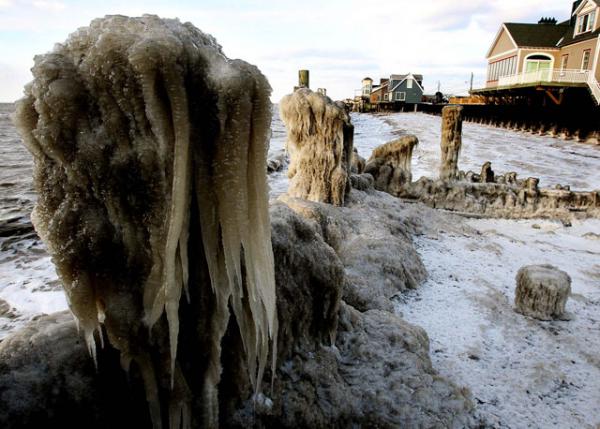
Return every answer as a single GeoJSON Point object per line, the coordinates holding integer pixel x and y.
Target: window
{"type": "Point", "coordinates": [564, 60]}
{"type": "Point", "coordinates": [586, 22]}
{"type": "Point", "coordinates": [400, 96]}
{"type": "Point", "coordinates": [585, 62]}
{"type": "Point", "coordinates": [505, 67]}
{"type": "Point", "coordinates": [409, 83]}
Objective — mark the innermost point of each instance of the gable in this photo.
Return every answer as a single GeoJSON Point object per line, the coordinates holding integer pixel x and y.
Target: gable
{"type": "Point", "coordinates": [502, 43]}
{"type": "Point", "coordinates": [586, 6]}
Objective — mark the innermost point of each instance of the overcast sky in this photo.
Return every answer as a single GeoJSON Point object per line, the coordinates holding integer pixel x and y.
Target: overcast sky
{"type": "Point", "coordinates": [339, 41]}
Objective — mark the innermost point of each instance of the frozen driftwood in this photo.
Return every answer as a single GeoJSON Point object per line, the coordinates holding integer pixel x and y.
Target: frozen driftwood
{"type": "Point", "coordinates": [542, 291]}
{"type": "Point", "coordinates": [319, 142]}
{"type": "Point", "coordinates": [390, 164]}
{"type": "Point", "coordinates": [451, 141]}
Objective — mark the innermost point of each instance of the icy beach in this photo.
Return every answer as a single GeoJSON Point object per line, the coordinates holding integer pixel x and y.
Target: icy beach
{"type": "Point", "coordinates": [521, 372]}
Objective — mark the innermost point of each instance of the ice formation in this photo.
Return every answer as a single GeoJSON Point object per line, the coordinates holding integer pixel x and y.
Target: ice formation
{"type": "Point", "coordinates": [320, 138]}
{"type": "Point", "coordinates": [542, 291]}
{"type": "Point", "coordinates": [389, 164]}
{"type": "Point", "coordinates": [451, 141]}
{"type": "Point", "coordinates": [150, 162]}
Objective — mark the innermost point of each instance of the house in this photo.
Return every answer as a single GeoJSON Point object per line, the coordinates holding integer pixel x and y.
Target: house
{"type": "Point", "coordinates": [407, 88]}
{"type": "Point", "coordinates": [555, 55]}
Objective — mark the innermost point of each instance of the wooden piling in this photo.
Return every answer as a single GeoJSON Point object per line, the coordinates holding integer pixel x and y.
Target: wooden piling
{"type": "Point", "coordinates": [451, 141]}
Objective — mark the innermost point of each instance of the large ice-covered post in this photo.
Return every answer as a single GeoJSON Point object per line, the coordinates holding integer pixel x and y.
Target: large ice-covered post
{"type": "Point", "coordinates": [150, 157]}
{"type": "Point", "coordinates": [451, 141]}
{"type": "Point", "coordinates": [320, 145]}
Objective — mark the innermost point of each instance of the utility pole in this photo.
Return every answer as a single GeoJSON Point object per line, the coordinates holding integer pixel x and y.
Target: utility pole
{"type": "Point", "coordinates": [471, 87]}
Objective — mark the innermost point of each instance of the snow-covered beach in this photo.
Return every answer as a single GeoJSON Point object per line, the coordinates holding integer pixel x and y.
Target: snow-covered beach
{"type": "Point", "coordinates": [521, 372]}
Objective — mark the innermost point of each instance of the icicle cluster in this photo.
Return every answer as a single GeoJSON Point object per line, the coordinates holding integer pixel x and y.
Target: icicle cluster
{"type": "Point", "coordinates": [320, 139]}
{"type": "Point", "coordinates": [147, 139]}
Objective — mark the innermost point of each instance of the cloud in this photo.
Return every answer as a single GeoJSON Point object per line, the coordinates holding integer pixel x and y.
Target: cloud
{"type": "Point", "coordinates": [5, 3]}
{"type": "Point", "coordinates": [340, 41]}
{"type": "Point", "coordinates": [45, 5]}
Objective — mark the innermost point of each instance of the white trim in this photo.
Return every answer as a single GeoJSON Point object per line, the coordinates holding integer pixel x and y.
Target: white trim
{"type": "Point", "coordinates": [582, 5]}
{"type": "Point", "coordinates": [400, 96]}
{"type": "Point", "coordinates": [534, 54]}
{"type": "Point", "coordinates": [583, 59]}
{"type": "Point", "coordinates": [503, 27]}
{"type": "Point", "coordinates": [519, 69]}
{"type": "Point", "coordinates": [409, 76]}
{"type": "Point", "coordinates": [512, 51]}
{"type": "Point", "coordinates": [596, 56]}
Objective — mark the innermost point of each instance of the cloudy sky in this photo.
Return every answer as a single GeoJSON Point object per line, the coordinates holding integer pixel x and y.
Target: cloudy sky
{"type": "Point", "coordinates": [340, 41]}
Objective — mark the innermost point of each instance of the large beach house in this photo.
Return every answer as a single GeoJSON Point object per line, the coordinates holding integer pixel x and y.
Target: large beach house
{"type": "Point", "coordinates": [548, 54]}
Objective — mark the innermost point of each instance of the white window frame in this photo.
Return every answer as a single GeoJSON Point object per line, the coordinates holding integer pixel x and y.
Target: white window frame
{"type": "Point", "coordinates": [400, 96]}
{"type": "Point", "coordinates": [409, 83]}
{"type": "Point", "coordinates": [589, 25]}
{"type": "Point", "coordinates": [588, 53]}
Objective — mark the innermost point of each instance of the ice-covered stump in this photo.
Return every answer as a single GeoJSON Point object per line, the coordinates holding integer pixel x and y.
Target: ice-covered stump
{"type": "Point", "coordinates": [319, 142]}
{"type": "Point", "coordinates": [542, 291]}
{"type": "Point", "coordinates": [390, 164]}
{"type": "Point", "coordinates": [451, 141]}
{"type": "Point", "coordinates": [150, 163]}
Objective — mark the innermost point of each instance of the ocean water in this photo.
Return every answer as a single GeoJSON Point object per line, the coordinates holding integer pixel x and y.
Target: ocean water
{"type": "Point", "coordinates": [28, 282]}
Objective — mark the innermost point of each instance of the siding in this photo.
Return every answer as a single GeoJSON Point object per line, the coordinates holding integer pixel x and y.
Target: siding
{"type": "Point", "coordinates": [503, 44]}
{"type": "Point", "coordinates": [413, 95]}
{"type": "Point", "coordinates": [575, 53]}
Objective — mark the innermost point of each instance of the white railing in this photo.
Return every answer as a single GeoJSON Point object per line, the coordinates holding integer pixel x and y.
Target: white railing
{"type": "Point", "coordinates": [555, 75]}
{"type": "Point", "coordinates": [594, 87]}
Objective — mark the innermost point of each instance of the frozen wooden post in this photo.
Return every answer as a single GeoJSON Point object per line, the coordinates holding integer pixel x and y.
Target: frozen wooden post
{"type": "Point", "coordinates": [320, 146]}
{"type": "Point", "coordinates": [451, 141]}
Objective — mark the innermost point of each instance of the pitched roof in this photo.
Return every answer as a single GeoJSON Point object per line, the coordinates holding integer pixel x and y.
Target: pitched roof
{"type": "Point", "coordinates": [537, 35]}
{"type": "Point", "coordinates": [569, 38]}
{"type": "Point", "coordinates": [404, 76]}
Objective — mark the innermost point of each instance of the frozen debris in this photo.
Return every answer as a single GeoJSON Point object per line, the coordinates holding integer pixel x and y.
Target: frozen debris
{"type": "Point", "coordinates": [542, 291]}
{"type": "Point", "coordinates": [277, 161]}
{"type": "Point", "coordinates": [451, 141]}
{"type": "Point", "coordinates": [390, 164]}
{"type": "Point", "coordinates": [150, 160]}
{"type": "Point", "coordinates": [320, 137]}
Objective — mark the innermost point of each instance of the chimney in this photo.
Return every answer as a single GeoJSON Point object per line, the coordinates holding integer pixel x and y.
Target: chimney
{"type": "Point", "coordinates": [547, 21]}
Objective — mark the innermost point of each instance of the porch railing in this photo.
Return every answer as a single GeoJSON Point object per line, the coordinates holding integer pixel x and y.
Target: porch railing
{"type": "Point", "coordinates": [554, 76]}
{"type": "Point", "coordinates": [550, 75]}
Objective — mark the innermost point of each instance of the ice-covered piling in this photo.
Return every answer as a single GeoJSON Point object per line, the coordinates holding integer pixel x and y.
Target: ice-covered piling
{"type": "Point", "coordinates": [390, 164]}
{"type": "Point", "coordinates": [542, 291]}
{"type": "Point", "coordinates": [451, 141]}
{"type": "Point", "coordinates": [319, 142]}
{"type": "Point", "coordinates": [150, 163]}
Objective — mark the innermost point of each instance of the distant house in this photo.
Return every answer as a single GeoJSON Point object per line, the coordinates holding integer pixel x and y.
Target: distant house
{"type": "Point", "coordinates": [407, 88]}
{"type": "Point", "coordinates": [561, 54]}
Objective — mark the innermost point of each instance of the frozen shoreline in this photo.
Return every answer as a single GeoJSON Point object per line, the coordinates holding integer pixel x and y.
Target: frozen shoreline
{"type": "Point", "coordinates": [522, 372]}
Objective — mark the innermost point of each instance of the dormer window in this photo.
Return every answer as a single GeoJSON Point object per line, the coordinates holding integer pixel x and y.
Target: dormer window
{"type": "Point", "coordinates": [586, 22]}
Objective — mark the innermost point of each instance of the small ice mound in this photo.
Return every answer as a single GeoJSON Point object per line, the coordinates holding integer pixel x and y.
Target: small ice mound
{"type": "Point", "coordinates": [542, 292]}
